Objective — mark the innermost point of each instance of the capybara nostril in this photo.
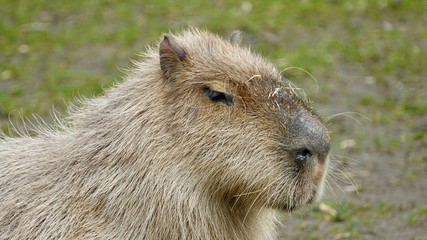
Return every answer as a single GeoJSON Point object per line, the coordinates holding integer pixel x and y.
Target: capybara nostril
{"type": "Point", "coordinates": [303, 155]}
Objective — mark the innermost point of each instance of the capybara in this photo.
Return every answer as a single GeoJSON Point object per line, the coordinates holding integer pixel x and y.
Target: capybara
{"type": "Point", "coordinates": [203, 139]}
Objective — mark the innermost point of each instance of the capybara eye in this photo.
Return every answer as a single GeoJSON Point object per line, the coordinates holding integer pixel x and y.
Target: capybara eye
{"type": "Point", "coordinates": [218, 96]}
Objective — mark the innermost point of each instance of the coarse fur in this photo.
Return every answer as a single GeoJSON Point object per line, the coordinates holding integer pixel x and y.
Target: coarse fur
{"type": "Point", "coordinates": [156, 158]}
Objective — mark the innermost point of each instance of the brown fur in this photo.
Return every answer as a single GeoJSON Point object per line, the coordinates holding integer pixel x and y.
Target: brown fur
{"type": "Point", "coordinates": [156, 158]}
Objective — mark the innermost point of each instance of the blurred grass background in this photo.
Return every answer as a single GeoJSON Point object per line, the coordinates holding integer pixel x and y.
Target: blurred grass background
{"type": "Point", "coordinates": [368, 56]}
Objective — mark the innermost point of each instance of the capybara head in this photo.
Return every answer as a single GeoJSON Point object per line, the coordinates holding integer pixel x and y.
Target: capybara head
{"type": "Point", "coordinates": [241, 129]}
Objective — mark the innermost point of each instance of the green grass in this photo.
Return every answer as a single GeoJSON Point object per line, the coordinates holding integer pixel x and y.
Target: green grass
{"type": "Point", "coordinates": [367, 56]}
{"type": "Point", "coordinates": [418, 216]}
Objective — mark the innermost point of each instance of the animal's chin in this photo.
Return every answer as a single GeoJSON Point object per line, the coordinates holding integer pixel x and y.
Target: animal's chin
{"type": "Point", "coordinates": [290, 208]}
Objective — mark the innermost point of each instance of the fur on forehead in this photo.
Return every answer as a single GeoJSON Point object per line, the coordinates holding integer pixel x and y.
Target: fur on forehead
{"type": "Point", "coordinates": [225, 66]}
{"type": "Point", "coordinates": [209, 53]}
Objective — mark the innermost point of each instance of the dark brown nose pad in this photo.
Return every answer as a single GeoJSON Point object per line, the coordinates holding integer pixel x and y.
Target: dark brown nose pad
{"type": "Point", "coordinates": [304, 156]}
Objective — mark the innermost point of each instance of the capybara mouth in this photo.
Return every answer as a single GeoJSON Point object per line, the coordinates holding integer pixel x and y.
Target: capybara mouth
{"type": "Point", "coordinates": [298, 204]}
{"type": "Point", "coordinates": [288, 208]}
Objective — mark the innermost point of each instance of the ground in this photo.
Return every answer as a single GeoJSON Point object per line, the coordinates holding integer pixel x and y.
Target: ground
{"type": "Point", "coordinates": [367, 58]}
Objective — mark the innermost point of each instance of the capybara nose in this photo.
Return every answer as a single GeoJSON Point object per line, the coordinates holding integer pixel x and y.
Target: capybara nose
{"type": "Point", "coordinates": [310, 141]}
{"type": "Point", "coordinates": [303, 155]}
{"type": "Point", "coordinates": [310, 155]}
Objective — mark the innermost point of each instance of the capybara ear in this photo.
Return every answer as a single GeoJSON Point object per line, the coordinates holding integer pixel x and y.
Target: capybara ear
{"type": "Point", "coordinates": [235, 37]}
{"type": "Point", "coordinates": [171, 55]}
